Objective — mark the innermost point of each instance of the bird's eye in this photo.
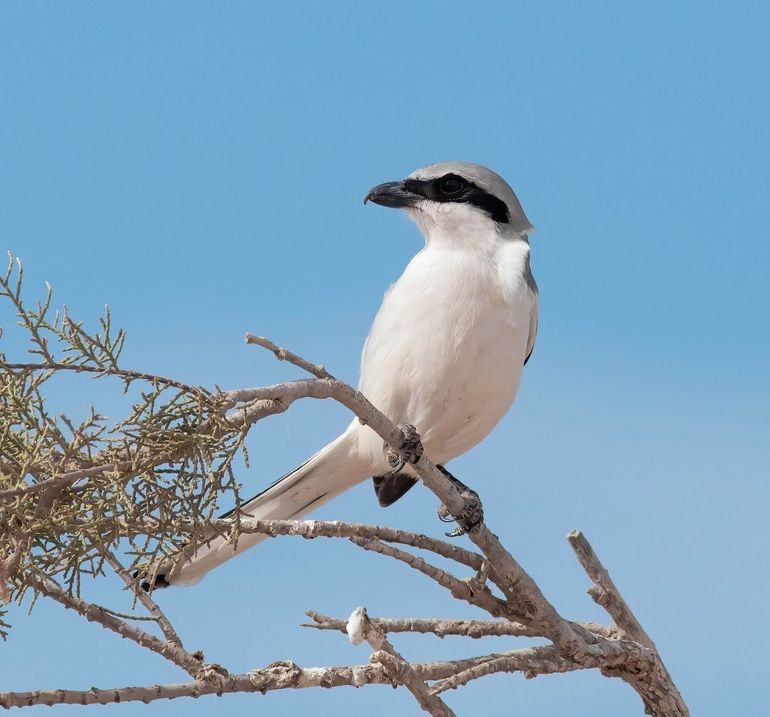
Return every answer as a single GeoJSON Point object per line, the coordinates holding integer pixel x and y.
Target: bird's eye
{"type": "Point", "coordinates": [451, 185]}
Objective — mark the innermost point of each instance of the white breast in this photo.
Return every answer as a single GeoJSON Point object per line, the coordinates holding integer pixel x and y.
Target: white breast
{"type": "Point", "coordinates": [447, 347]}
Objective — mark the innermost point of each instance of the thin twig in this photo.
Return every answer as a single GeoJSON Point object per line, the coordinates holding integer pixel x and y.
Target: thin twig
{"type": "Point", "coordinates": [459, 589]}
{"type": "Point", "coordinates": [174, 653]}
{"type": "Point", "coordinates": [338, 529]}
{"type": "Point", "coordinates": [106, 371]}
{"type": "Point", "coordinates": [144, 597]}
{"type": "Point", "coordinates": [283, 354]}
{"type": "Point", "coordinates": [401, 671]}
{"type": "Point", "coordinates": [62, 481]}
{"type": "Point", "coordinates": [123, 615]}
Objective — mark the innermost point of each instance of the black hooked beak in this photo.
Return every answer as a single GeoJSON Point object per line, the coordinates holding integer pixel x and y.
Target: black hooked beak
{"type": "Point", "coordinates": [392, 194]}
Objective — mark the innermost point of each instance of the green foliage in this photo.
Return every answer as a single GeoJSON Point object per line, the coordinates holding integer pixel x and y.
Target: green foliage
{"type": "Point", "coordinates": [72, 489]}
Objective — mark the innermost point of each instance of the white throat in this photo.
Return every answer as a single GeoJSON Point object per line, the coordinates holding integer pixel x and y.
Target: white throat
{"type": "Point", "coordinates": [458, 226]}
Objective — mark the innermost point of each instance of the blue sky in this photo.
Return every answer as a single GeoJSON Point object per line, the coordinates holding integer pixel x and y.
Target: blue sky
{"type": "Point", "coordinates": [200, 167]}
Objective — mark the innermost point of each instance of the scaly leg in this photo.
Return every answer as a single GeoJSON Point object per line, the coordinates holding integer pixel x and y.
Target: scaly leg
{"type": "Point", "coordinates": [472, 513]}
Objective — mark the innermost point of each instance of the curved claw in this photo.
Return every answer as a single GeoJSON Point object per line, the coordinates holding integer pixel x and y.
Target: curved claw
{"type": "Point", "coordinates": [472, 514]}
{"type": "Point", "coordinates": [409, 451]}
{"type": "Point", "coordinates": [456, 533]}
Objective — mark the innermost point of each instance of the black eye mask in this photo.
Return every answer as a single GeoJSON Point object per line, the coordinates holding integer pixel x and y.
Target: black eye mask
{"type": "Point", "coordinates": [454, 188]}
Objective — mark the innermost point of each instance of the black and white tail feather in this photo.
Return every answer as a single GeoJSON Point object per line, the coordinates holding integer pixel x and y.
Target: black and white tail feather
{"type": "Point", "coordinates": [331, 471]}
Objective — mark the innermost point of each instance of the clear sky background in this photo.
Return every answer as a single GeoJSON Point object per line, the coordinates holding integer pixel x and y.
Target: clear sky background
{"type": "Point", "coordinates": [201, 168]}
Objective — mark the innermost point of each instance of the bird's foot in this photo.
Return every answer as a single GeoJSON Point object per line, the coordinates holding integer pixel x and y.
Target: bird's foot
{"type": "Point", "coordinates": [410, 450]}
{"type": "Point", "coordinates": [472, 513]}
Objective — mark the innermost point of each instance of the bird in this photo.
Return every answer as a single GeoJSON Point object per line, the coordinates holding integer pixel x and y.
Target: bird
{"type": "Point", "coordinates": [444, 355]}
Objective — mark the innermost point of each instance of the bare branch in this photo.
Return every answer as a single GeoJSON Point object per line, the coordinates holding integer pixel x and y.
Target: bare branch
{"type": "Point", "coordinates": [442, 627]}
{"type": "Point", "coordinates": [658, 691]}
{"type": "Point", "coordinates": [62, 481]}
{"type": "Point", "coordinates": [534, 661]}
{"type": "Point", "coordinates": [399, 669]}
{"type": "Point", "coordinates": [105, 371]}
{"type": "Point", "coordinates": [436, 626]}
{"type": "Point", "coordinates": [285, 355]}
{"type": "Point", "coordinates": [92, 613]}
{"type": "Point", "coordinates": [277, 676]}
{"type": "Point", "coordinates": [337, 529]}
{"type": "Point", "coordinates": [604, 592]}
{"type": "Point", "coordinates": [459, 589]}
{"type": "Point", "coordinates": [144, 597]}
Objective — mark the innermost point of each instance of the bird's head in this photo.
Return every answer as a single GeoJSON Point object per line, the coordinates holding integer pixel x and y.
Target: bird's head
{"type": "Point", "coordinates": [455, 199]}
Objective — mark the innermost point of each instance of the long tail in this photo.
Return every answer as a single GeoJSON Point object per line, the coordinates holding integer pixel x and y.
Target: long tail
{"type": "Point", "coordinates": [331, 471]}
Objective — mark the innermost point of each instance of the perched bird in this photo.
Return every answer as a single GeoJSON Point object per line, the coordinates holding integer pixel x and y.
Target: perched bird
{"type": "Point", "coordinates": [444, 354]}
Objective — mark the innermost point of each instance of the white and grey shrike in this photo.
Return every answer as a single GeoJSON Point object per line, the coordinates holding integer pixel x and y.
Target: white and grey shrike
{"type": "Point", "coordinates": [445, 352]}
